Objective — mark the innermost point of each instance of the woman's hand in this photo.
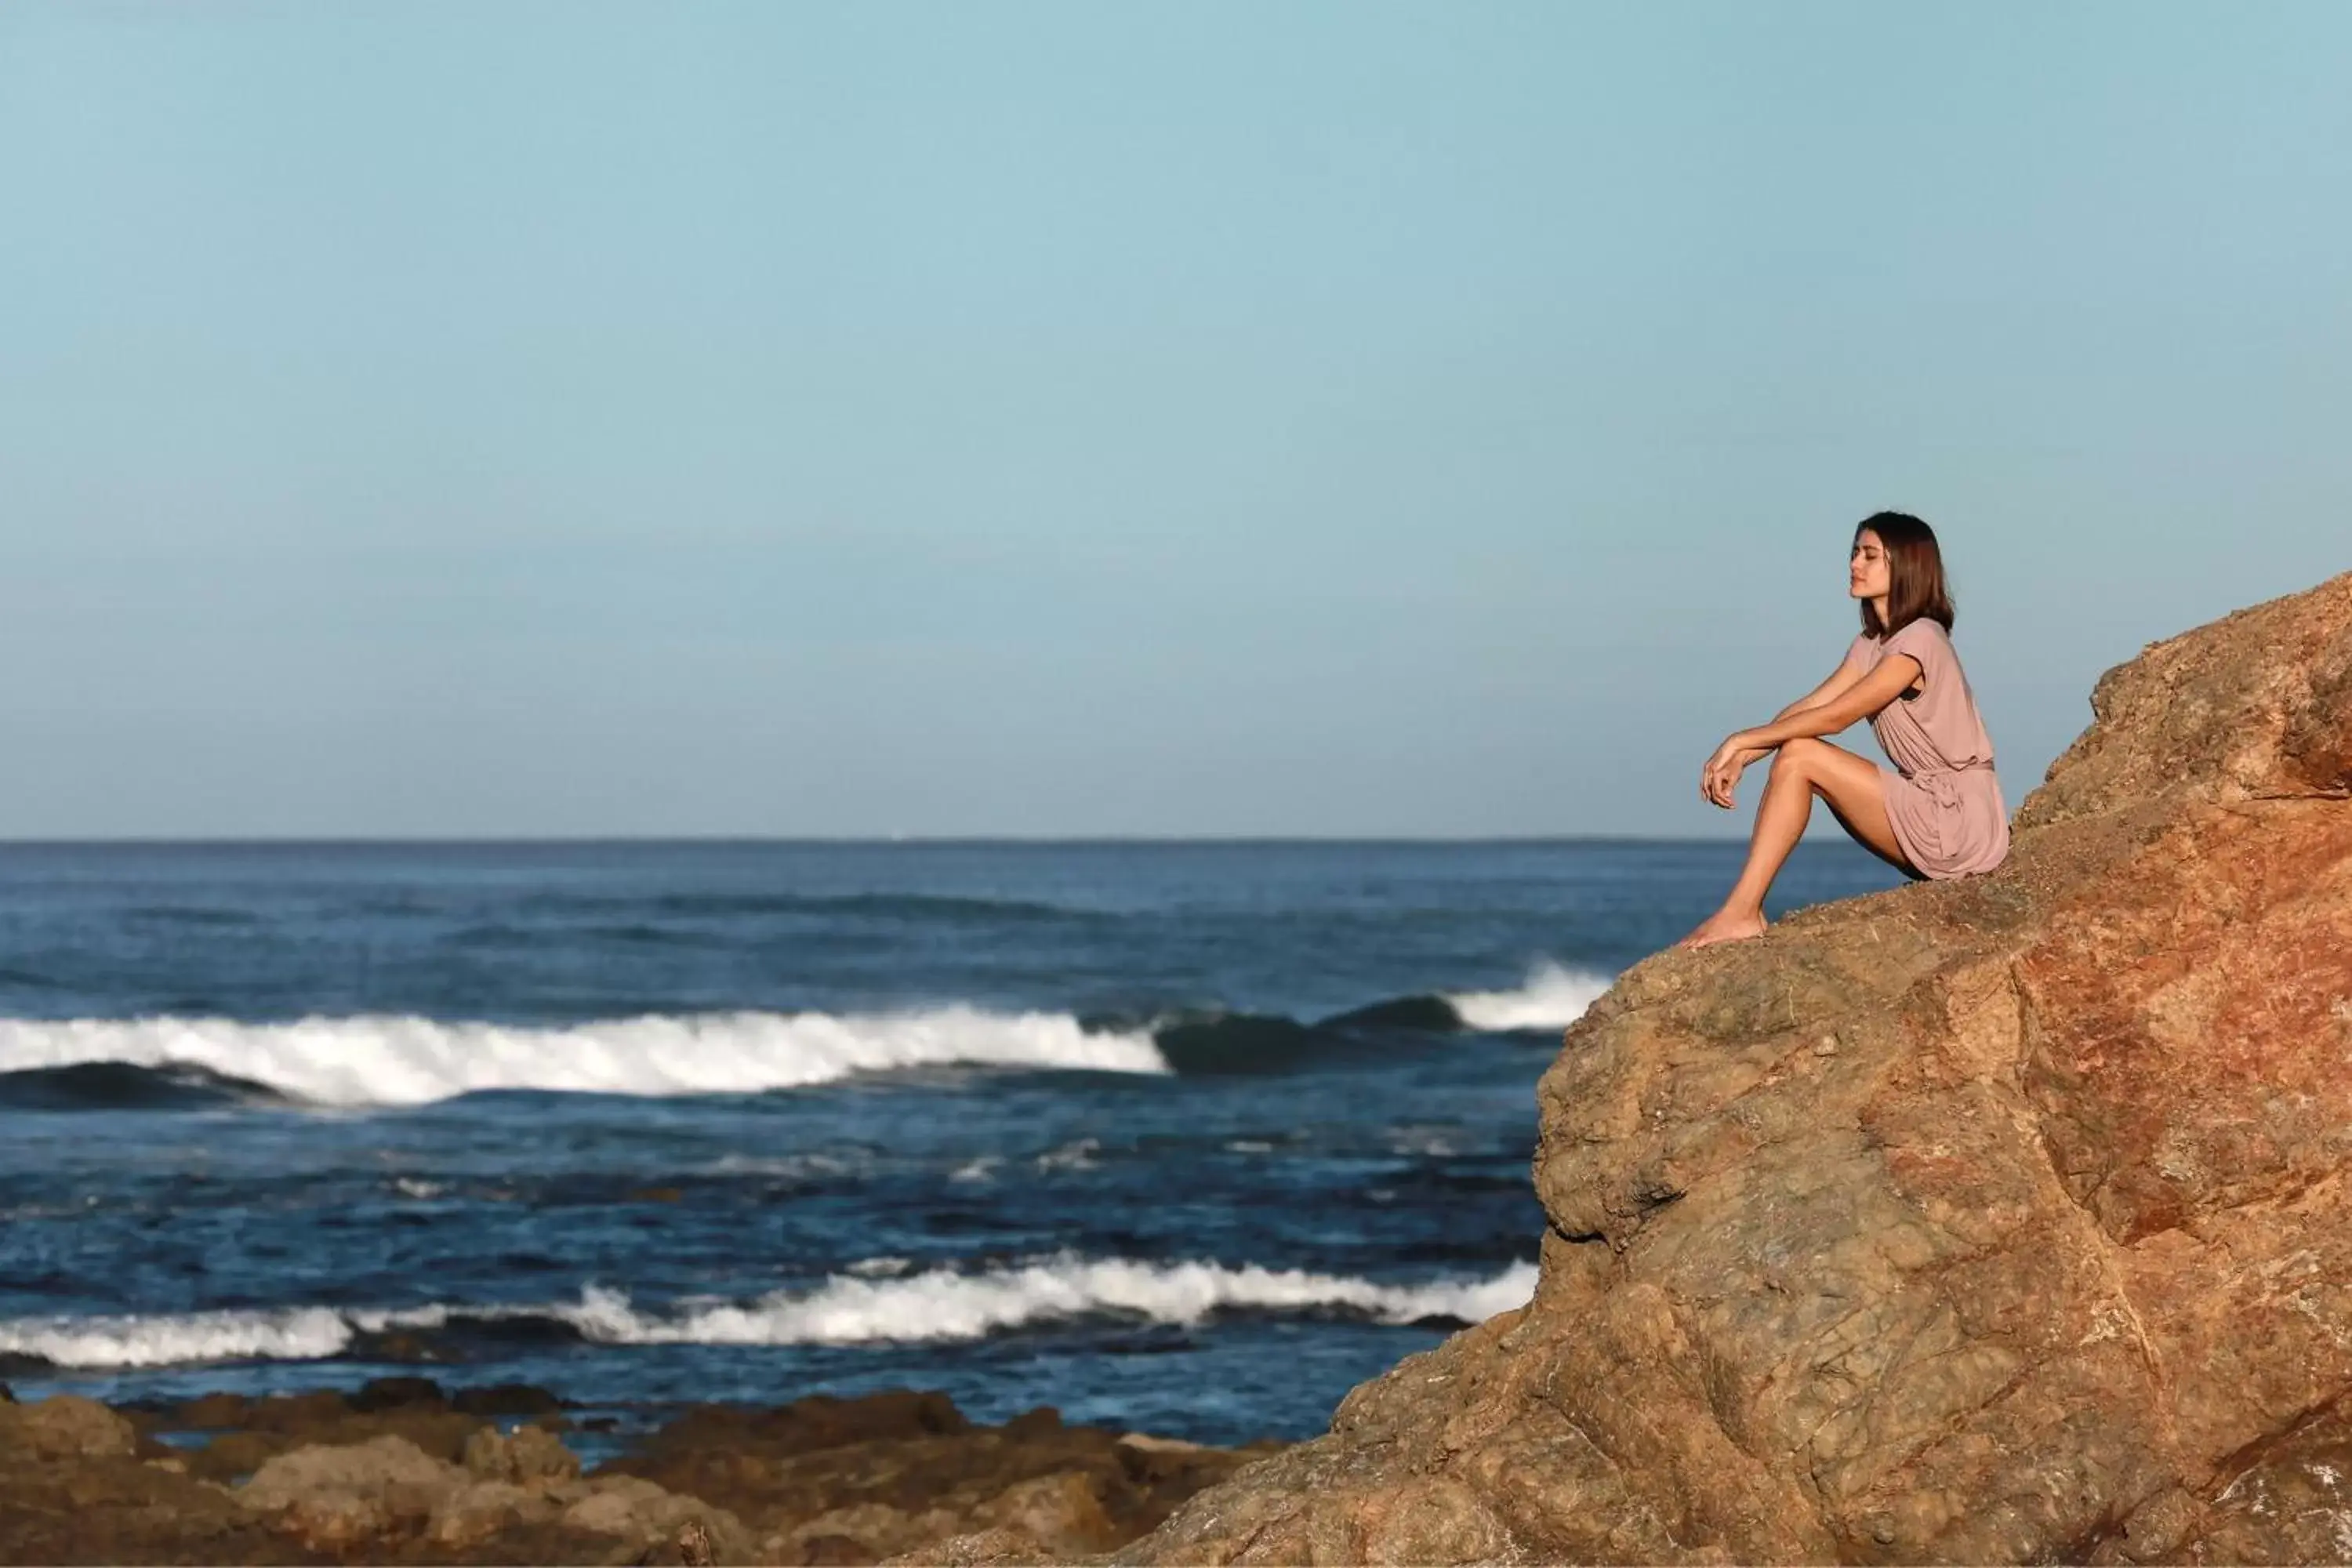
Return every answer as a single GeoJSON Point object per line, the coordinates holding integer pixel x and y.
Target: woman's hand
{"type": "Point", "coordinates": [1720, 776]}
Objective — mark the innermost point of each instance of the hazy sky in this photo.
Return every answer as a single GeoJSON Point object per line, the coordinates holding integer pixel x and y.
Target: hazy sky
{"type": "Point", "coordinates": [798, 418]}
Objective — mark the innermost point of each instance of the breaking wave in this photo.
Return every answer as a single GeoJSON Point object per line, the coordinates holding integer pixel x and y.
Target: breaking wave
{"type": "Point", "coordinates": [385, 1060]}
{"type": "Point", "coordinates": [947, 1305]}
{"type": "Point", "coordinates": [398, 1060]}
{"type": "Point", "coordinates": [301, 1333]}
{"type": "Point", "coordinates": [865, 1305]}
{"type": "Point", "coordinates": [1552, 998]}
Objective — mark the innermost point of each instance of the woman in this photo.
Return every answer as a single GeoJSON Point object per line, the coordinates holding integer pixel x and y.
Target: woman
{"type": "Point", "coordinates": [1937, 811]}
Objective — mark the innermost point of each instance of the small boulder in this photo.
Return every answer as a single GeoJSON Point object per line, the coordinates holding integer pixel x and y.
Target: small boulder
{"type": "Point", "coordinates": [66, 1426]}
{"type": "Point", "coordinates": [635, 1510]}
{"type": "Point", "coordinates": [334, 1498]}
{"type": "Point", "coordinates": [393, 1466]}
{"type": "Point", "coordinates": [1045, 1421]}
{"type": "Point", "coordinates": [1061, 1511]}
{"type": "Point", "coordinates": [474, 1513]}
{"type": "Point", "coordinates": [529, 1455]}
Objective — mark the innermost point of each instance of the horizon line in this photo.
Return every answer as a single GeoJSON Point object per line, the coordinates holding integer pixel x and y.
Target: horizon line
{"type": "Point", "coordinates": [844, 840]}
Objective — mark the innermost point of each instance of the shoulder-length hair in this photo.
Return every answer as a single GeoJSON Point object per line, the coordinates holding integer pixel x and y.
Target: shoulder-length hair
{"type": "Point", "coordinates": [1914, 573]}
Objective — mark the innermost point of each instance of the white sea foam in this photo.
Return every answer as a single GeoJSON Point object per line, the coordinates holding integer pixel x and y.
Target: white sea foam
{"type": "Point", "coordinates": [392, 1060]}
{"type": "Point", "coordinates": [1077, 1156]}
{"type": "Point", "coordinates": [1552, 998]}
{"type": "Point", "coordinates": [943, 1304]}
{"type": "Point", "coordinates": [868, 1305]}
{"type": "Point", "coordinates": [301, 1333]}
{"type": "Point", "coordinates": [793, 1167]}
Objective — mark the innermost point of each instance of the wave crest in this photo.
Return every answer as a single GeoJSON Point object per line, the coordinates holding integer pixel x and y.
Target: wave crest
{"type": "Point", "coordinates": [1553, 997]}
{"type": "Point", "coordinates": [943, 1304]}
{"type": "Point", "coordinates": [300, 1333]}
{"type": "Point", "coordinates": [400, 1060]}
{"type": "Point", "coordinates": [864, 1306]}
{"type": "Point", "coordinates": [386, 1059]}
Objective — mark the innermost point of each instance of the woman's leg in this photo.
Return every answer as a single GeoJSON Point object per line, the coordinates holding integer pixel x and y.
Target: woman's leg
{"type": "Point", "coordinates": [1802, 770]}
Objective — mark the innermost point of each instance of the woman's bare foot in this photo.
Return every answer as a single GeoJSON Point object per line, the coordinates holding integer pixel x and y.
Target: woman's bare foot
{"type": "Point", "coordinates": [1725, 925]}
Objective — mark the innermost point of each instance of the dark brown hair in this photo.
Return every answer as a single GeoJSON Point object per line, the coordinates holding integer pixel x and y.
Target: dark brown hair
{"type": "Point", "coordinates": [1914, 573]}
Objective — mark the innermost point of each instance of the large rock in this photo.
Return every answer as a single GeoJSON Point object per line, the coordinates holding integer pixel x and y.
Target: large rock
{"type": "Point", "coordinates": [2000, 1220]}
{"type": "Point", "coordinates": [253, 1431]}
{"type": "Point", "coordinates": [348, 1495]}
{"type": "Point", "coordinates": [530, 1456]}
{"type": "Point", "coordinates": [638, 1511]}
{"type": "Point", "coordinates": [66, 1426]}
{"type": "Point", "coordinates": [478, 1511]}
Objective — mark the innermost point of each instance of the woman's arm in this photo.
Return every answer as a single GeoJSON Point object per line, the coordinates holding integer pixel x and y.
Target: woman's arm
{"type": "Point", "coordinates": [1815, 715]}
{"type": "Point", "coordinates": [1858, 698]}
{"type": "Point", "coordinates": [1848, 671]}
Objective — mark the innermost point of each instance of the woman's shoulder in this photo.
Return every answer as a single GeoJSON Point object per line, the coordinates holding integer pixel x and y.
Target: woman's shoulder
{"type": "Point", "coordinates": [1918, 637]}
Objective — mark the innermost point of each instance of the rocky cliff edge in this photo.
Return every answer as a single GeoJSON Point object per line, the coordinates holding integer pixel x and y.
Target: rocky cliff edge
{"type": "Point", "coordinates": [2001, 1220]}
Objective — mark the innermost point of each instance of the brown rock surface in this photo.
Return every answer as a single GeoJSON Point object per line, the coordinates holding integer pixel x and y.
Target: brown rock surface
{"type": "Point", "coordinates": [832, 1480]}
{"type": "Point", "coordinates": [253, 1431]}
{"type": "Point", "coordinates": [648, 1516]}
{"type": "Point", "coordinates": [1999, 1220]}
{"type": "Point", "coordinates": [479, 1510]}
{"type": "Point", "coordinates": [321, 1477]}
{"type": "Point", "coordinates": [339, 1497]}
{"type": "Point", "coordinates": [527, 1456]}
{"type": "Point", "coordinates": [65, 1428]}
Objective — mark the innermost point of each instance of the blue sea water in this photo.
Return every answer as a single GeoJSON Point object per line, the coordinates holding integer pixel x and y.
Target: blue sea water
{"type": "Point", "coordinates": [1186, 1137]}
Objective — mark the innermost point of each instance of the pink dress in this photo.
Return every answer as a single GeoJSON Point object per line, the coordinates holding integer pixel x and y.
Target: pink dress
{"type": "Point", "coordinates": [1941, 794]}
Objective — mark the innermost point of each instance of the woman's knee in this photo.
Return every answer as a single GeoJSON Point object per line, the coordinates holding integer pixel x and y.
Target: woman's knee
{"type": "Point", "coordinates": [1801, 756]}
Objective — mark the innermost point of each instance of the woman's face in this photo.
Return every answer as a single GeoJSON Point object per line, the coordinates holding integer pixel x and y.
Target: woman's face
{"type": "Point", "coordinates": [1867, 572]}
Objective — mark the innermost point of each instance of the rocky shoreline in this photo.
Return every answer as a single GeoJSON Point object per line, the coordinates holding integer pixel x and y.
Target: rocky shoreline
{"type": "Point", "coordinates": [401, 1470]}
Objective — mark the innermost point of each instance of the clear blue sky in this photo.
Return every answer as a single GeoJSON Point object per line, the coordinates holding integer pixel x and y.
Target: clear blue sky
{"type": "Point", "coordinates": [800, 418]}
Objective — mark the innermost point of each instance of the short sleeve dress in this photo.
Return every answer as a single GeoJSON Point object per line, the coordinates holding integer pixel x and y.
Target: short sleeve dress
{"type": "Point", "coordinates": [1941, 794]}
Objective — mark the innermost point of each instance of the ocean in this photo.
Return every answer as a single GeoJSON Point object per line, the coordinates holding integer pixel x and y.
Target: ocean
{"type": "Point", "coordinates": [1188, 1138]}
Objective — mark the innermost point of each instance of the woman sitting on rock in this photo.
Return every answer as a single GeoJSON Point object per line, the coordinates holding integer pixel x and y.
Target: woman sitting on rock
{"type": "Point", "coordinates": [1937, 813]}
